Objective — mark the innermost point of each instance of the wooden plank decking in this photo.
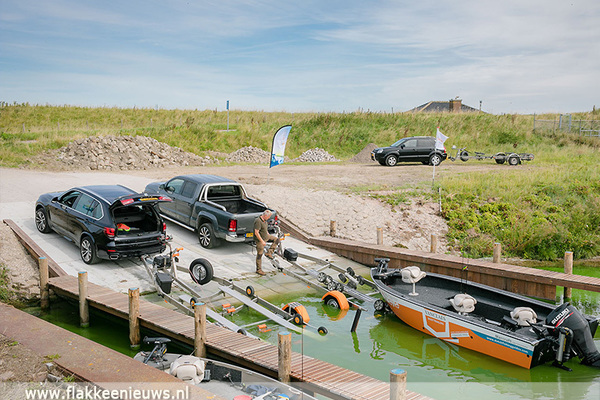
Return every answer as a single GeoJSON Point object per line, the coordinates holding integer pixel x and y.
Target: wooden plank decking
{"type": "Point", "coordinates": [318, 376]}
{"type": "Point", "coordinates": [527, 281]}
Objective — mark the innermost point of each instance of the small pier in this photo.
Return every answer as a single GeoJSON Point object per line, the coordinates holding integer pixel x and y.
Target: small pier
{"type": "Point", "coordinates": [316, 375]}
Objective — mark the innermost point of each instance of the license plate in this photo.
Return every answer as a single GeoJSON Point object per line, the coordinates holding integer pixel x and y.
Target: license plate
{"type": "Point", "coordinates": [249, 234]}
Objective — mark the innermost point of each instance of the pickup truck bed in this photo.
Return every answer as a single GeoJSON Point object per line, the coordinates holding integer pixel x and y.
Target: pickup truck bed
{"type": "Point", "coordinates": [216, 208]}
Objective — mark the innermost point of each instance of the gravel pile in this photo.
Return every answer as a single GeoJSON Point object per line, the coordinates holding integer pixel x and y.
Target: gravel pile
{"type": "Point", "coordinates": [315, 155]}
{"type": "Point", "coordinates": [126, 153]}
{"type": "Point", "coordinates": [251, 155]}
{"type": "Point", "coordinates": [364, 156]}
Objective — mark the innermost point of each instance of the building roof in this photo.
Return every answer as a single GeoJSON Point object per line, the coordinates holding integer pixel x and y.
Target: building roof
{"type": "Point", "coordinates": [442, 106]}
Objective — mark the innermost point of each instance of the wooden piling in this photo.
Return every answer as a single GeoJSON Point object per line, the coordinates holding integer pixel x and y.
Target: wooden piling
{"type": "Point", "coordinates": [434, 245]}
{"type": "Point", "coordinates": [44, 289]}
{"type": "Point", "coordinates": [134, 320]}
{"type": "Point", "coordinates": [200, 329]}
{"type": "Point", "coordinates": [285, 356]}
{"type": "Point", "coordinates": [379, 236]}
{"type": "Point", "coordinates": [397, 384]}
{"type": "Point", "coordinates": [568, 270]}
{"type": "Point", "coordinates": [497, 252]}
{"type": "Point", "coordinates": [84, 314]}
{"type": "Point", "coordinates": [332, 228]}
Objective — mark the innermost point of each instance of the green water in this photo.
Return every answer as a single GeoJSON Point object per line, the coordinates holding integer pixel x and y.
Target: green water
{"type": "Point", "coordinates": [380, 344]}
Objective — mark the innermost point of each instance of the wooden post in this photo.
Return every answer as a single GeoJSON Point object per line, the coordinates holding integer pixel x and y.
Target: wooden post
{"type": "Point", "coordinates": [332, 230]}
{"type": "Point", "coordinates": [397, 384]}
{"type": "Point", "coordinates": [44, 288]}
{"type": "Point", "coordinates": [134, 321]}
{"type": "Point", "coordinates": [497, 252]}
{"type": "Point", "coordinates": [434, 245]}
{"type": "Point", "coordinates": [285, 356]}
{"type": "Point", "coordinates": [84, 314]}
{"type": "Point", "coordinates": [568, 270]}
{"type": "Point", "coordinates": [379, 235]}
{"type": "Point", "coordinates": [200, 329]}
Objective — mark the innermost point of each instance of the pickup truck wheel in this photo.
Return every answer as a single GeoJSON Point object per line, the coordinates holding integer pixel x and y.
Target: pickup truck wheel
{"type": "Point", "coordinates": [201, 271]}
{"type": "Point", "coordinates": [207, 237]}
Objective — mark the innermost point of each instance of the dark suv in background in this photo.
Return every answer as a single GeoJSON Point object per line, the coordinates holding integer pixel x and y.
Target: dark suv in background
{"type": "Point", "coordinates": [105, 221]}
{"type": "Point", "coordinates": [411, 149]}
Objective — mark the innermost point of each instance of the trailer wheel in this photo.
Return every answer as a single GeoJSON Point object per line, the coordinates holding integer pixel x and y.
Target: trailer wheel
{"type": "Point", "coordinates": [242, 331]}
{"type": "Point", "coordinates": [193, 302]}
{"type": "Point", "coordinates": [464, 156]}
{"type": "Point", "coordinates": [342, 278]}
{"type": "Point", "coordinates": [322, 277]}
{"type": "Point", "coordinates": [249, 291]}
{"type": "Point", "coordinates": [298, 320]}
{"type": "Point", "coordinates": [361, 281]}
{"type": "Point", "coordinates": [350, 271]}
{"type": "Point", "coordinates": [201, 271]}
{"type": "Point", "coordinates": [336, 299]}
{"type": "Point", "coordinates": [331, 285]}
{"type": "Point", "coordinates": [322, 330]}
{"type": "Point", "coordinates": [513, 160]}
{"type": "Point", "coordinates": [500, 158]}
{"type": "Point", "coordinates": [379, 305]}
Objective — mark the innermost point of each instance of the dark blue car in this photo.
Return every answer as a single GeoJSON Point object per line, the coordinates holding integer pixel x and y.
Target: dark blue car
{"type": "Point", "coordinates": [106, 221]}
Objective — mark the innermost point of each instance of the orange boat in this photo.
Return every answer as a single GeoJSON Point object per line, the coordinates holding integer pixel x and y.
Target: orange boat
{"type": "Point", "coordinates": [501, 324]}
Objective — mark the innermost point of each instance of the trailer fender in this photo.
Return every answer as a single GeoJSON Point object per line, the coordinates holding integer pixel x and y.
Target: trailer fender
{"type": "Point", "coordinates": [336, 299]}
{"type": "Point", "coordinates": [299, 312]}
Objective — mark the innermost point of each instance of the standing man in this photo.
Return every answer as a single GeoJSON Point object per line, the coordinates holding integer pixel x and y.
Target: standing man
{"type": "Point", "coordinates": [261, 236]}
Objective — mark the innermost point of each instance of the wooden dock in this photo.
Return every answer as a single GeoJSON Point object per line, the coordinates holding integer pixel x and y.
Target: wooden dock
{"type": "Point", "coordinates": [316, 375]}
{"type": "Point", "coordinates": [513, 278]}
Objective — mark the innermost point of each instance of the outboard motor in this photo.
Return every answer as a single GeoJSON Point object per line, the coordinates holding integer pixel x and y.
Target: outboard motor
{"type": "Point", "coordinates": [568, 317]}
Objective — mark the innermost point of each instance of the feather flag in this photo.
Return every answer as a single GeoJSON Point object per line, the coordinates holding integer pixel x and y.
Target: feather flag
{"type": "Point", "coordinates": [278, 147]}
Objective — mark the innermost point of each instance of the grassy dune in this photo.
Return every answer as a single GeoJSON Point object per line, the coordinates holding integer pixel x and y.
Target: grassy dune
{"type": "Point", "coordinates": [537, 211]}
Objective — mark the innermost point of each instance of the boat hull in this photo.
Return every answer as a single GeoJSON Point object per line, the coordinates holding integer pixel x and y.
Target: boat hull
{"type": "Point", "coordinates": [461, 332]}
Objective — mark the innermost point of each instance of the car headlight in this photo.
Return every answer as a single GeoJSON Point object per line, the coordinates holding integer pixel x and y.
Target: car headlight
{"type": "Point", "coordinates": [377, 151]}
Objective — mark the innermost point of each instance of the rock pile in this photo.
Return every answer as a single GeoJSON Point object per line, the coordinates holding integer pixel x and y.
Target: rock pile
{"type": "Point", "coordinates": [125, 153]}
{"type": "Point", "coordinates": [251, 155]}
{"type": "Point", "coordinates": [364, 156]}
{"type": "Point", "coordinates": [315, 155]}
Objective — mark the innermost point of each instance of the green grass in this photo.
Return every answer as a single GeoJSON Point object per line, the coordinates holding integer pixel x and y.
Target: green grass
{"type": "Point", "coordinates": [537, 210]}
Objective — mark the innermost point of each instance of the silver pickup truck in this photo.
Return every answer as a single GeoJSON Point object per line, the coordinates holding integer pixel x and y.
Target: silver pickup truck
{"type": "Point", "coordinates": [216, 208]}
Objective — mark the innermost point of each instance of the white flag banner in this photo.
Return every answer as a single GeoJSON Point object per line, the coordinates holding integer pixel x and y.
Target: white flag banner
{"type": "Point", "coordinates": [279, 142]}
{"type": "Point", "coordinates": [440, 138]}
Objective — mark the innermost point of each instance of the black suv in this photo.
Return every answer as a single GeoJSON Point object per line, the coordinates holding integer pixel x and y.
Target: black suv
{"type": "Point", "coordinates": [411, 149]}
{"type": "Point", "coordinates": [105, 221]}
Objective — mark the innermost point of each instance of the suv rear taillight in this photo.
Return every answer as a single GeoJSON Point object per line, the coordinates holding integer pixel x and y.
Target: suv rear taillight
{"type": "Point", "coordinates": [232, 225]}
{"type": "Point", "coordinates": [164, 227]}
{"type": "Point", "coordinates": [110, 232]}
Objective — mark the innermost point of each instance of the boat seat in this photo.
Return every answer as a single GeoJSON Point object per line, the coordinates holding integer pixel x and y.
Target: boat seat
{"type": "Point", "coordinates": [412, 274]}
{"type": "Point", "coordinates": [188, 368]}
{"type": "Point", "coordinates": [463, 303]}
{"type": "Point", "coordinates": [524, 316]}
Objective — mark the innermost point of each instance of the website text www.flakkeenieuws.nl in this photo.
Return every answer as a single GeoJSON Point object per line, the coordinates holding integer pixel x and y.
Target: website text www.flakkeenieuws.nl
{"type": "Point", "coordinates": [89, 392]}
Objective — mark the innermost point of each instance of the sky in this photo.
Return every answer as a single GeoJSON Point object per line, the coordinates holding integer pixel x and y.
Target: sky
{"type": "Point", "coordinates": [524, 56]}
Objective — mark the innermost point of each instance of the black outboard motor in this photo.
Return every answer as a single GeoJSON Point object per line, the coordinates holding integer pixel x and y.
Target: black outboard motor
{"type": "Point", "coordinates": [567, 316]}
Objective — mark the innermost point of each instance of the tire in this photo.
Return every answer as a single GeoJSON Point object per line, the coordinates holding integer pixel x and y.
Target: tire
{"type": "Point", "coordinates": [435, 159]}
{"type": "Point", "coordinates": [193, 302]}
{"type": "Point", "coordinates": [206, 236]}
{"type": "Point", "coordinates": [513, 160]}
{"type": "Point", "coordinates": [322, 330]}
{"type": "Point", "coordinates": [331, 285]}
{"type": "Point", "coordinates": [464, 156]}
{"type": "Point", "coordinates": [342, 278]}
{"type": "Point", "coordinates": [500, 158]}
{"type": "Point", "coordinates": [361, 280]}
{"type": "Point", "coordinates": [332, 302]}
{"type": "Point", "coordinates": [379, 305]}
{"type": "Point", "coordinates": [250, 291]}
{"type": "Point", "coordinates": [41, 220]}
{"type": "Point", "coordinates": [201, 271]}
{"type": "Point", "coordinates": [391, 160]}
{"type": "Point", "coordinates": [87, 250]}
{"type": "Point", "coordinates": [350, 272]}
{"type": "Point", "coordinates": [298, 320]}
{"type": "Point", "coordinates": [322, 277]}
